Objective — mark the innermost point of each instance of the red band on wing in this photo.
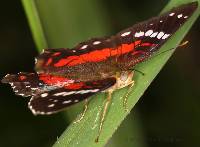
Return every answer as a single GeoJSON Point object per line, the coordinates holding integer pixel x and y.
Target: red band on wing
{"type": "Point", "coordinates": [147, 44]}
{"type": "Point", "coordinates": [97, 55]}
{"type": "Point", "coordinates": [56, 54]}
{"type": "Point", "coordinates": [54, 80]}
{"type": "Point", "coordinates": [22, 78]}
{"type": "Point", "coordinates": [49, 61]}
{"type": "Point", "coordinates": [75, 86]}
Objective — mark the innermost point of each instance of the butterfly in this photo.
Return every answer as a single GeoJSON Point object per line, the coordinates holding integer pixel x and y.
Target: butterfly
{"type": "Point", "coordinates": [65, 76]}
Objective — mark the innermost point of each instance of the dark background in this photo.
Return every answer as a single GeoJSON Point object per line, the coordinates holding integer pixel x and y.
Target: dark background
{"type": "Point", "coordinates": [169, 110]}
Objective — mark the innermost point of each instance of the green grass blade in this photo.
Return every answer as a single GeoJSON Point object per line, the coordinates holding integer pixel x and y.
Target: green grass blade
{"type": "Point", "coordinates": [84, 133]}
{"type": "Point", "coordinates": [129, 133]}
{"type": "Point", "coordinates": [35, 24]}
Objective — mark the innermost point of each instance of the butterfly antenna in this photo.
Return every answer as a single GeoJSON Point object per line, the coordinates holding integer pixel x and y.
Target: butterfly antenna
{"type": "Point", "coordinates": [142, 73]}
{"type": "Point", "coordinates": [180, 45]}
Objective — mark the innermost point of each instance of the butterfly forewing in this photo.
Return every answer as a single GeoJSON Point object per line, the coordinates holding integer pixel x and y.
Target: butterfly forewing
{"type": "Point", "coordinates": [147, 37]}
{"type": "Point", "coordinates": [127, 48]}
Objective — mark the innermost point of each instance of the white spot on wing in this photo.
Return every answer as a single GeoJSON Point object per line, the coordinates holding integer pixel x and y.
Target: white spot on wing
{"type": "Point", "coordinates": [126, 33]}
{"type": "Point", "coordinates": [171, 14]}
{"type": "Point", "coordinates": [185, 17]}
{"type": "Point", "coordinates": [180, 15]}
{"type": "Point", "coordinates": [7, 75]}
{"type": "Point", "coordinates": [31, 107]}
{"type": "Point", "coordinates": [139, 34]}
{"type": "Point", "coordinates": [41, 112]}
{"type": "Point", "coordinates": [21, 94]}
{"type": "Point", "coordinates": [149, 32]}
{"type": "Point", "coordinates": [44, 95]}
{"type": "Point", "coordinates": [76, 101]}
{"type": "Point", "coordinates": [87, 91]}
{"type": "Point", "coordinates": [165, 36]}
{"type": "Point", "coordinates": [66, 102]}
{"type": "Point", "coordinates": [154, 34]}
{"type": "Point", "coordinates": [51, 105]}
{"type": "Point", "coordinates": [40, 84]}
{"type": "Point", "coordinates": [84, 47]}
{"type": "Point", "coordinates": [161, 21]}
{"type": "Point", "coordinates": [96, 42]}
{"type": "Point", "coordinates": [64, 93]}
{"type": "Point", "coordinates": [48, 113]}
{"type": "Point", "coordinates": [76, 92]}
{"type": "Point", "coordinates": [160, 35]}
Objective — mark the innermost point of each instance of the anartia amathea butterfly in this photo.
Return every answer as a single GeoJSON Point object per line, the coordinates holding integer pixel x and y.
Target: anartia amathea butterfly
{"type": "Point", "coordinates": [66, 76]}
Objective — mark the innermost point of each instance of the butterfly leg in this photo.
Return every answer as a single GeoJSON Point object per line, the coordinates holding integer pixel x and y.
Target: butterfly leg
{"type": "Point", "coordinates": [125, 97]}
{"type": "Point", "coordinates": [108, 100]}
{"type": "Point", "coordinates": [126, 79]}
{"type": "Point", "coordinates": [84, 111]}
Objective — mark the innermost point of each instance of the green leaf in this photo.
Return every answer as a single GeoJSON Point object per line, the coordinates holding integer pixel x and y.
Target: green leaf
{"type": "Point", "coordinates": [129, 133]}
{"type": "Point", "coordinates": [85, 132]}
{"type": "Point", "coordinates": [35, 23]}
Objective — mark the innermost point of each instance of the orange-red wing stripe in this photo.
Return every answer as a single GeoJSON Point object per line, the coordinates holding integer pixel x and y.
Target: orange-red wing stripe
{"type": "Point", "coordinates": [54, 80]}
{"type": "Point", "coordinates": [49, 61]}
{"type": "Point", "coordinates": [97, 55]}
{"type": "Point", "coordinates": [74, 86]}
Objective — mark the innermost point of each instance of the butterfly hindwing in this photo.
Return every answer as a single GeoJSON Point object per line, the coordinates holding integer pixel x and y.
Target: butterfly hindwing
{"type": "Point", "coordinates": [58, 99]}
